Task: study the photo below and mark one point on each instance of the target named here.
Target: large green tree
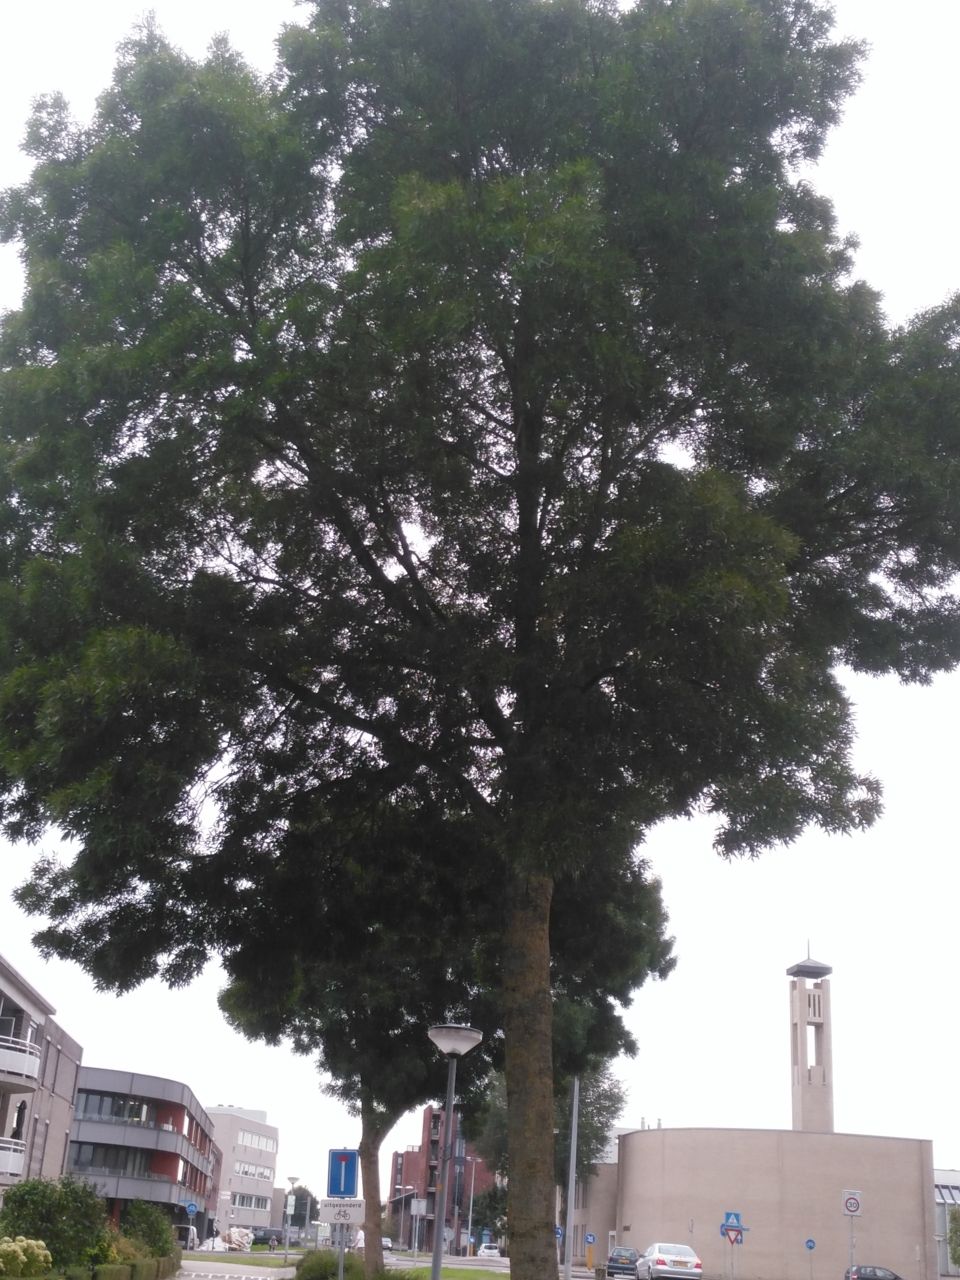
(406, 933)
(601, 1100)
(481, 409)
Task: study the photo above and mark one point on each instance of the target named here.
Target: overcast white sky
(880, 908)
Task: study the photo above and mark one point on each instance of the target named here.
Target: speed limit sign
(851, 1204)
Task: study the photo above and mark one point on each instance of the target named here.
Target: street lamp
(403, 1191)
(286, 1220)
(473, 1178)
(454, 1041)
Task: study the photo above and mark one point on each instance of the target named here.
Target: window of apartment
(260, 1141)
(128, 1161)
(241, 1200)
(114, 1106)
(248, 1170)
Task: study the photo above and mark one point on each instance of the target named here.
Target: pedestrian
(273, 1244)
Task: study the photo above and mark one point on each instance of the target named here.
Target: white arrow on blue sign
(810, 1244)
(590, 1238)
(191, 1209)
(342, 1174)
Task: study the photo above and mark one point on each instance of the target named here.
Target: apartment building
(39, 1063)
(249, 1175)
(416, 1184)
(140, 1137)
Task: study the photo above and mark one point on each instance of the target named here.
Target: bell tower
(811, 1049)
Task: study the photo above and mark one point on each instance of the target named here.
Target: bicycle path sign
(341, 1211)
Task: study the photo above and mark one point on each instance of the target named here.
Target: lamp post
(453, 1041)
(473, 1178)
(286, 1220)
(571, 1181)
(403, 1191)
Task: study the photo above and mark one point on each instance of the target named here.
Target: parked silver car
(668, 1260)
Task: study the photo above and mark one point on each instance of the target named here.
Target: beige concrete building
(249, 1172)
(38, 1076)
(789, 1189)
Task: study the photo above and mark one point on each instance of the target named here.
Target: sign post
(342, 1199)
(418, 1208)
(810, 1245)
(852, 1208)
(732, 1227)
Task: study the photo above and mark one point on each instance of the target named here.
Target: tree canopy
(478, 416)
(389, 947)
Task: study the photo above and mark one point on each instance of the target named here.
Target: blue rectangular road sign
(342, 1174)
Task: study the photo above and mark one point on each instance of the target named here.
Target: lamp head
(454, 1040)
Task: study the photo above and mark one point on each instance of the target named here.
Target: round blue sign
(590, 1238)
(810, 1244)
(191, 1209)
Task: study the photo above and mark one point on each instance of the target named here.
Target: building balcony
(118, 1132)
(116, 1184)
(19, 1065)
(13, 1155)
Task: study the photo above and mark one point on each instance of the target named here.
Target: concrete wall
(677, 1184)
(594, 1213)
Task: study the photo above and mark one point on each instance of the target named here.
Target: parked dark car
(864, 1272)
(623, 1262)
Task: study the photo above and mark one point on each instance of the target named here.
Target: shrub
(23, 1257)
(121, 1248)
(12, 1260)
(144, 1269)
(324, 1264)
(111, 1271)
(148, 1224)
(66, 1214)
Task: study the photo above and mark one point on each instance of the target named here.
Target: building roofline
(8, 972)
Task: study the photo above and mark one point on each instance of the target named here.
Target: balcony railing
(19, 1057)
(94, 1118)
(105, 1171)
(13, 1154)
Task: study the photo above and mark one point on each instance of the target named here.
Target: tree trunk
(528, 1024)
(371, 1138)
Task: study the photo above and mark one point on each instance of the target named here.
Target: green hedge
(112, 1271)
(77, 1272)
(145, 1269)
(324, 1264)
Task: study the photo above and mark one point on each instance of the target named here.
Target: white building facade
(249, 1171)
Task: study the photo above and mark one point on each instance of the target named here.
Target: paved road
(231, 1266)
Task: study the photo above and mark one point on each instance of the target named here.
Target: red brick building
(415, 1185)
